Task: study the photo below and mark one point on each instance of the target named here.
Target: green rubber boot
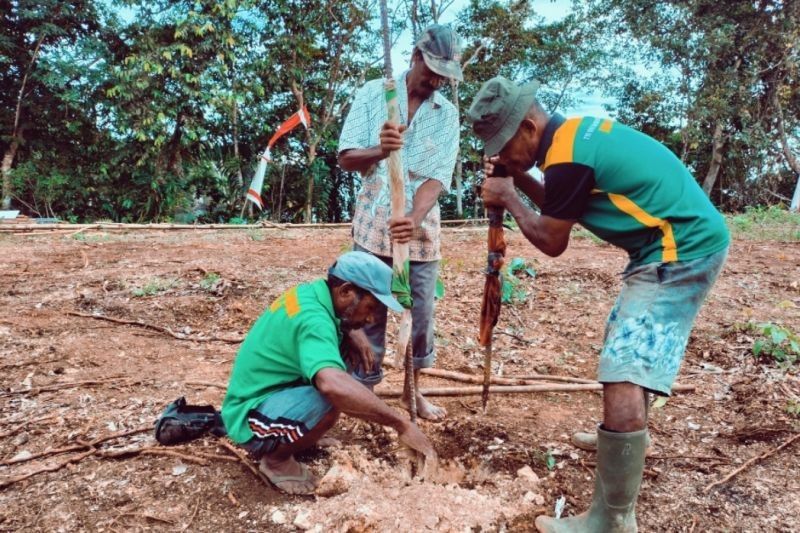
(588, 441)
(620, 462)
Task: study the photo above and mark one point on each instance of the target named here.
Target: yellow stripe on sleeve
(627, 206)
(289, 301)
(561, 151)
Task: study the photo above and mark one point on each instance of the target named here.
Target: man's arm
(351, 397)
(425, 198)
(550, 235)
(362, 159)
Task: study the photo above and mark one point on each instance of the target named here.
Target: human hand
(360, 350)
(493, 168)
(428, 460)
(391, 137)
(497, 192)
(401, 229)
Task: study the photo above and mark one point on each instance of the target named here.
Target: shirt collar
(553, 124)
(435, 99)
(323, 294)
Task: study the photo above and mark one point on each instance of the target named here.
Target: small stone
(337, 480)
(20, 439)
(526, 473)
(532, 497)
(21, 456)
(693, 426)
(303, 520)
(278, 517)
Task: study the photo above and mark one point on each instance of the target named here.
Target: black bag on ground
(183, 423)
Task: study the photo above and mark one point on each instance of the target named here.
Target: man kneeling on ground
(289, 381)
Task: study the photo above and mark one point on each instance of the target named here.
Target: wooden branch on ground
(59, 386)
(245, 461)
(161, 329)
(206, 384)
(751, 462)
(511, 389)
(151, 450)
(25, 424)
(58, 466)
(498, 380)
(78, 447)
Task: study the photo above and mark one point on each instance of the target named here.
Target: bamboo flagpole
(398, 195)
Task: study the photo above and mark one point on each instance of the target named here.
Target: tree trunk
(794, 164)
(312, 155)
(8, 159)
(239, 177)
(716, 160)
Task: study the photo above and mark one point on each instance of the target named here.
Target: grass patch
(154, 286)
(774, 343)
(765, 223)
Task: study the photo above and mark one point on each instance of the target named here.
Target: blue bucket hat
(369, 273)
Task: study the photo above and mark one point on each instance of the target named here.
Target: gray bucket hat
(498, 109)
(441, 49)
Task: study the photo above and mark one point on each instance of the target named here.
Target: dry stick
(77, 447)
(120, 454)
(59, 386)
(25, 424)
(510, 380)
(161, 329)
(74, 459)
(245, 461)
(206, 384)
(566, 379)
(500, 389)
(751, 462)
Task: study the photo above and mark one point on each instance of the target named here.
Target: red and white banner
(254, 192)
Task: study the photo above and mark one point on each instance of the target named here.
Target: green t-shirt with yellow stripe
(296, 337)
(628, 189)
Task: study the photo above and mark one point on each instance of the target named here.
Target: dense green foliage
(136, 111)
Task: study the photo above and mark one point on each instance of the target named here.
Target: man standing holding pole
(631, 191)
(427, 137)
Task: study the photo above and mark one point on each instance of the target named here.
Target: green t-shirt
(628, 189)
(296, 337)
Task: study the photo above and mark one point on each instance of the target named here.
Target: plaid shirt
(429, 152)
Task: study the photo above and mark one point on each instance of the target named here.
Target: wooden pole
(398, 194)
(512, 389)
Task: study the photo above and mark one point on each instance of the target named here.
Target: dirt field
(203, 286)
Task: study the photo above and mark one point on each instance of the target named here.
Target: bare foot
(288, 475)
(426, 409)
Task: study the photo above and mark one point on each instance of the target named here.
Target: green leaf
(778, 335)
(550, 461)
(401, 285)
(758, 347)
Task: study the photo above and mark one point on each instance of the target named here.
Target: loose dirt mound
(178, 302)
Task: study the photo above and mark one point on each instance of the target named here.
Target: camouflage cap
(498, 109)
(441, 49)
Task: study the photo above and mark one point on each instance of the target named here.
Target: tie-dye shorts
(650, 323)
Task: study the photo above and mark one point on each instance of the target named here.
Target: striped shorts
(284, 417)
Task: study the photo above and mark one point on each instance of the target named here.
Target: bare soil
(195, 287)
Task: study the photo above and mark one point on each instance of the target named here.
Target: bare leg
(425, 409)
(624, 407)
(281, 461)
